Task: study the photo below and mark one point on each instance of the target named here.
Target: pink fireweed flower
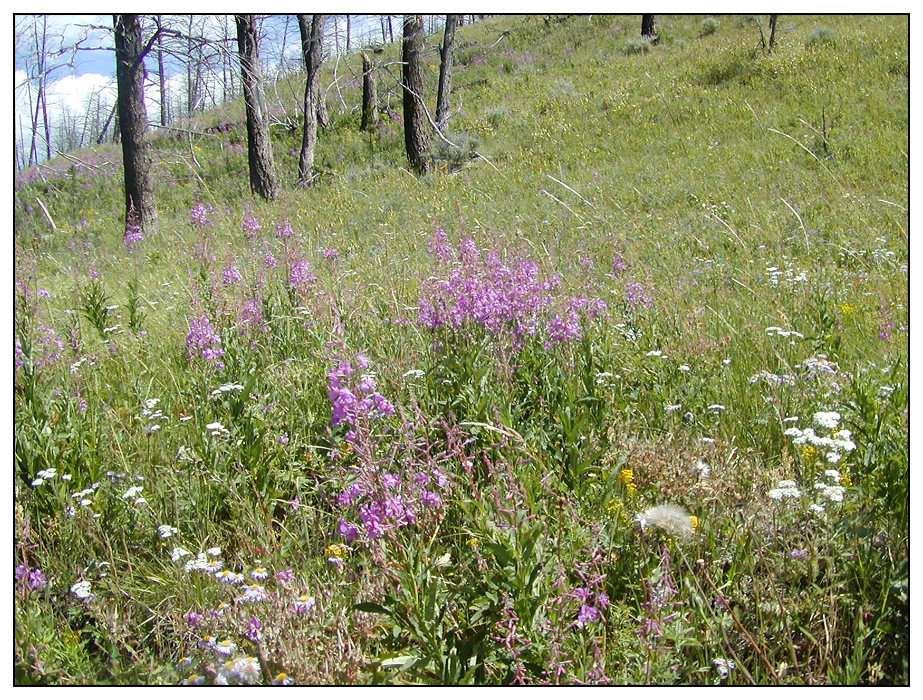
(284, 230)
(202, 341)
(300, 276)
(132, 236)
(251, 225)
(230, 275)
(198, 215)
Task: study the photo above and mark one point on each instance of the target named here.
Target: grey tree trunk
(772, 31)
(416, 134)
(136, 158)
(259, 146)
(369, 96)
(162, 78)
(312, 38)
(445, 72)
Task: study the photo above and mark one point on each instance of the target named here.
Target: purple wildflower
(230, 275)
(251, 225)
(203, 342)
(284, 230)
(132, 236)
(300, 275)
(198, 215)
(635, 295)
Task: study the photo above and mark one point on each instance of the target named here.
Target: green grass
(760, 201)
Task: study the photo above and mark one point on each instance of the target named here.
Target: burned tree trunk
(259, 146)
(136, 159)
(772, 31)
(369, 96)
(445, 72)
(648, 29)
(415, 132)
(311, 39)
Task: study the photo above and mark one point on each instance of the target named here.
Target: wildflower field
(622, 398)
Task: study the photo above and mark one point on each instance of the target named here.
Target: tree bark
(369, 96)
(259, 146)
(312, 38)
(445, 72)
(136, 158)
(648, 29)
(161, 77)
(415, 132)
(772, 30)
(323, 117)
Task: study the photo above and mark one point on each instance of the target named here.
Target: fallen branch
(44, 209)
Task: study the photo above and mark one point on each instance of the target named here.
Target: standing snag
(259, 146)
(445, 72)
(648, 30)
(369, 96)
(136, 159)
(312, 38)
(416, 135)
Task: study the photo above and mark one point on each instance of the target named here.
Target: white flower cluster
(225, 388)
(834, 445)
(204, 561)
(775, 330)
(785, 489)
(217, 429)
(832, 492)
(773, 379)
(151, 414)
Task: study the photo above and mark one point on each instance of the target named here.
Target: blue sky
(91, 69)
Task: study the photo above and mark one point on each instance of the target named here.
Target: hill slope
(618, 393)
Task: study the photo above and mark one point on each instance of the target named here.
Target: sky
(78, 74)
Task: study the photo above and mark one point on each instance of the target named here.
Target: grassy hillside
(617, 394)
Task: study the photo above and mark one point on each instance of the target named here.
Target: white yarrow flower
(81, 589)
(166, 531)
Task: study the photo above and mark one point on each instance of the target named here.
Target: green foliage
(742, 215)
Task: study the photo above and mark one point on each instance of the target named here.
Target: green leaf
(372, 608)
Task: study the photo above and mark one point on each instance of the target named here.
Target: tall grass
(618, 395)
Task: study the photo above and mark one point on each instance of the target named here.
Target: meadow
(618, 393)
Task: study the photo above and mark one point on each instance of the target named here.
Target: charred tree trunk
(415, 132)
(259, 146)
(136, 159)
(369, 96)
(648, 29)
(312, 38)
(772, 30)
(445, 72)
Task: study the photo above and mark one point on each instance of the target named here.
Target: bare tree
(259, 145)
(312, 38)
(136, 159)
(445, 71)
(161, 77)
(369, 96)
(416, 134)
